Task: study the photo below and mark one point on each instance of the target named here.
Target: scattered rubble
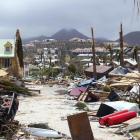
(119, 92)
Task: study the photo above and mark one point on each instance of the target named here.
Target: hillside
(40, 38)
(132, 38)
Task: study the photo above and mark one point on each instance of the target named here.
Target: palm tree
(135, 50)
(97, 60)
(104, 59)
(111, 51)
(42, 52)
(72, 68)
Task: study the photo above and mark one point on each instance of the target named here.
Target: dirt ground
(49, 107)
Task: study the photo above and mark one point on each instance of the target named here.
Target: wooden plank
(34, 90)
(79, 126)
(132, 121)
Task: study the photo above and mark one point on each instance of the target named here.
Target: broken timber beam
(119, 75)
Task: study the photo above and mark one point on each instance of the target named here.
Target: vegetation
(20, 51)
(72, 68)
(136, 134)
(12, 87)
(67, 58)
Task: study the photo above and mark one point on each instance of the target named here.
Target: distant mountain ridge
(63, 34)
(40, 38)
(131, 38)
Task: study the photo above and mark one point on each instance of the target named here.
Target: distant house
(101, 71)
(80, 41)
(88, 50)
(49, 41)
(82, 51)
(7, 47)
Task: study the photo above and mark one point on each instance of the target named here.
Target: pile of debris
(8, 108)
(118, 94)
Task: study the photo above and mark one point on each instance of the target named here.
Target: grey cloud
(44, 17)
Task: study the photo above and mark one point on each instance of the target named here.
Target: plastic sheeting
(85, 83)
(120, 70)
(121, 105)
(43, 132)
(110, 107)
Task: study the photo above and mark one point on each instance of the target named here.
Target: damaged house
(101, 71)
(7, 52)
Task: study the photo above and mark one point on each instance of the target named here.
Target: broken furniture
(88, 96)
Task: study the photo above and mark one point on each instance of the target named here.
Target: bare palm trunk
(44, 64)
(137, 57)
(111, 57)
(50, 64)
(121, 47)
(94, 58)
(15, 56)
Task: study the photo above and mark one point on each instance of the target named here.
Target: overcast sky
(46, 17)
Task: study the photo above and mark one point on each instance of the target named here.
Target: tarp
(77, 91)
(120, 70)
(85, 83)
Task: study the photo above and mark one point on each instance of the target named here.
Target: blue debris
(85, 83)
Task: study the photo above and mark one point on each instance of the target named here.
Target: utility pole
(94, 59)
(121, 46)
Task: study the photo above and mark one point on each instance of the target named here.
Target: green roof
(2, 51)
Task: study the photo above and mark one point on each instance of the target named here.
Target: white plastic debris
(42, 132)
(121, 105)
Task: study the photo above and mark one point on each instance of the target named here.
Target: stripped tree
(121, 46)
(18, 53)
(94, 56)
(50, 58)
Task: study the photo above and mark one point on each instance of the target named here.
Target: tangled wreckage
(8, 106)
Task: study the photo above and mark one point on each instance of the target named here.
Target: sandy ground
(49, 107)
